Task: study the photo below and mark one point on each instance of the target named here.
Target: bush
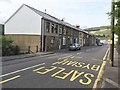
(8, 47)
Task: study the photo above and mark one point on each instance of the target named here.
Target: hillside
(97, 28)
(103, 33)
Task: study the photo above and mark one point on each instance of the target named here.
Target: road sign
(110, 41)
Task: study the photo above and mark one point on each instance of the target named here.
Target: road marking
(63, 73)
(4, 81)
(65, 57)
(78, 53)
(73, 57)
(97, 59)
(77, 64)
(101, 70)
(76, 57)
(49, 56)
(22, 70)
(38, 69)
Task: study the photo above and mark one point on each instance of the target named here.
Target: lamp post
(112, 34)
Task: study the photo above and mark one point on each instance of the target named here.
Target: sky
(86, 13)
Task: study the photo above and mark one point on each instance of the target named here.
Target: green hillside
(103, 33)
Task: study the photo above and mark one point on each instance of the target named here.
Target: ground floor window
(52, 40)
(64, 41)
(76, 40)
(84, 41)
(71, 40)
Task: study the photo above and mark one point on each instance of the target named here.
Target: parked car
(74, 46)
(100, 44)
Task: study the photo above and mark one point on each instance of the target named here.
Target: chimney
(77, 26)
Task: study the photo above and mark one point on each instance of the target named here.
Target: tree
(117, 16)
(117, 26)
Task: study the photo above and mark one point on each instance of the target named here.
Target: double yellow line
(97, 81)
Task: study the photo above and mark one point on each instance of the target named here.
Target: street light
(112, 32)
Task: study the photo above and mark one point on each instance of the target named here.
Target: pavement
(111, 74)
(9, 58)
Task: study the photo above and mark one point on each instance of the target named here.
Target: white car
(74, 46)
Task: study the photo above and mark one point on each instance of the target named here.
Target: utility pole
(112, 33)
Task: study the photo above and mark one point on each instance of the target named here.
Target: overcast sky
(86, 13)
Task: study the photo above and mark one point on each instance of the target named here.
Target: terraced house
(37, 31)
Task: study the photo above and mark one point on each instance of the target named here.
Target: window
(52, 29)
(47, 26)
(69, 31)
(60, 30)
(64, 41)
(64, 31)
(56, 28)
(71, 40)
(74, 41)
(52, 40)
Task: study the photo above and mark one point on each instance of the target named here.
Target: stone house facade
(37, 31)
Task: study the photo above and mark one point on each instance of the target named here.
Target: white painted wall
(25, 21)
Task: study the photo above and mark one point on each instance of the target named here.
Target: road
(66, 69)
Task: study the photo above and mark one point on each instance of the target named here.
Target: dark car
(75, 46)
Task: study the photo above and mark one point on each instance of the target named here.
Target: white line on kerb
(21, 70)
(112, 82)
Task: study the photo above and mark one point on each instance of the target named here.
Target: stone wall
(27, 43)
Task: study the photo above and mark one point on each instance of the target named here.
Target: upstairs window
(64, 31)
(52, 28)
(60, 30)
(68, 31)
(47, 26)
(56, 29)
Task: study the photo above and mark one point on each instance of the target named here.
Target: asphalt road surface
(66, 69)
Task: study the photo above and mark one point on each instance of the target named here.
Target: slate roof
(48, 17)
(52, 18)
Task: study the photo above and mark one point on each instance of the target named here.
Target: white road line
(97, 59)
(78, 53)
(22, 70)
(65, 57)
